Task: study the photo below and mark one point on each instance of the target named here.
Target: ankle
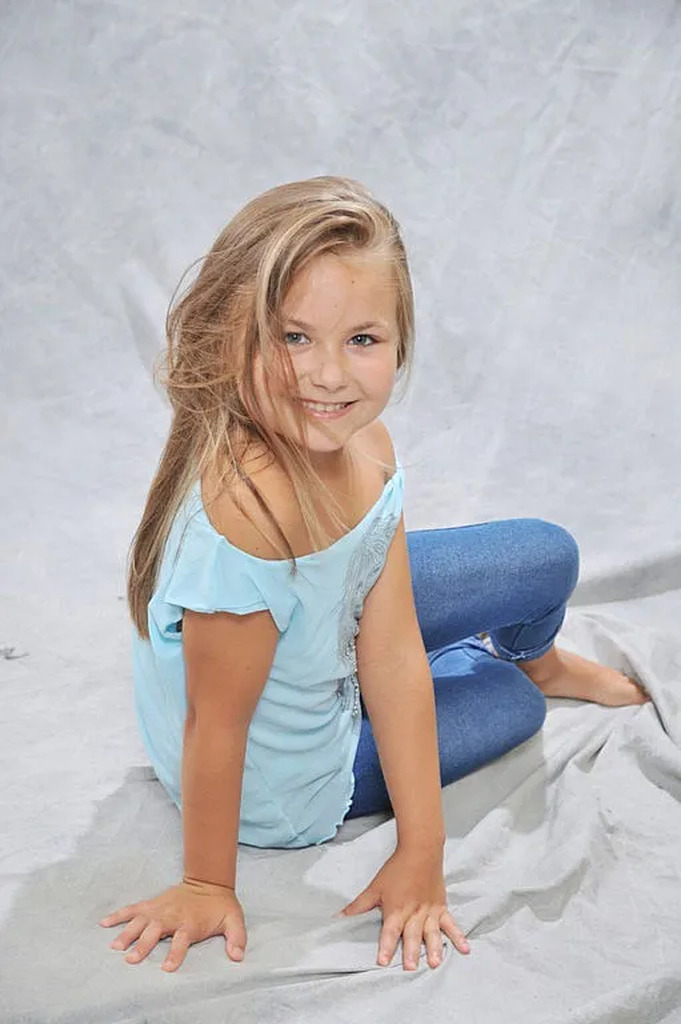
(543, 668)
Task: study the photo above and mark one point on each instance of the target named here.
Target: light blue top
(297, 781)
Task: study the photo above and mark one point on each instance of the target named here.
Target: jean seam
(525, 655)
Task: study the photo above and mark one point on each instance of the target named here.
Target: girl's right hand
(190, 912)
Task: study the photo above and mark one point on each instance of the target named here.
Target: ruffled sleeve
(202, 571)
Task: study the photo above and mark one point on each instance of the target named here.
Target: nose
(328, 371)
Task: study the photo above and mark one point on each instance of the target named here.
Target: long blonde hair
(228, 315)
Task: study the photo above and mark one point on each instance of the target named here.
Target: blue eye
(293, 338)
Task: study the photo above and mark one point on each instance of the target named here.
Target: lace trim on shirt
(364, 568)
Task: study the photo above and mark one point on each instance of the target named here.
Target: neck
(331, 465)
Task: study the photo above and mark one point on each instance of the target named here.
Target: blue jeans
(510, 578)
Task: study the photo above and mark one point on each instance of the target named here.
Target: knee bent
(557, 549)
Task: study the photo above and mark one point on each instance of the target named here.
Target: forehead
(331, 287)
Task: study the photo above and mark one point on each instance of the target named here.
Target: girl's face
(340, 327)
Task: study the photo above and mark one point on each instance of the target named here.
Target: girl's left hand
(410, 891)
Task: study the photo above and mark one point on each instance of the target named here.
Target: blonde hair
(229, 314)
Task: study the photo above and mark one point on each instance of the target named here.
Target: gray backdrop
(530, 152)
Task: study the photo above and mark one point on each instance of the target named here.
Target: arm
(228, 658)
(397, 689)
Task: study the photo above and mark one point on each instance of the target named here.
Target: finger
(433, 939)
(131, 933)
(388, 939)
(120, 916)
(178, 950)
(147, 941)
(451, 929)
(235, 936)
(367, 900)
(412, 937)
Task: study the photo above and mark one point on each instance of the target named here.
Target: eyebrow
(370, 324)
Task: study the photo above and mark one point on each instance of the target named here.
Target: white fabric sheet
(531, 153)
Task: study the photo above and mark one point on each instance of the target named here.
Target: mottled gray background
(530, 151)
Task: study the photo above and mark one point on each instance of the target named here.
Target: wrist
(203, 885)
(422, 846)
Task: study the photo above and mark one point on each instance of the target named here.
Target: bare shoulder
(236, 513)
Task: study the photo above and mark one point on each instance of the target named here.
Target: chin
(319, 443)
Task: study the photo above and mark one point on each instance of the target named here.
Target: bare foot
(560, 673)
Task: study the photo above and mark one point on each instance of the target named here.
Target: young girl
(298, 658)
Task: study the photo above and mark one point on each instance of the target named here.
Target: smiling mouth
(325, 406)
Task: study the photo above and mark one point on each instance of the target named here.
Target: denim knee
(558, 551)
(533, 712)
